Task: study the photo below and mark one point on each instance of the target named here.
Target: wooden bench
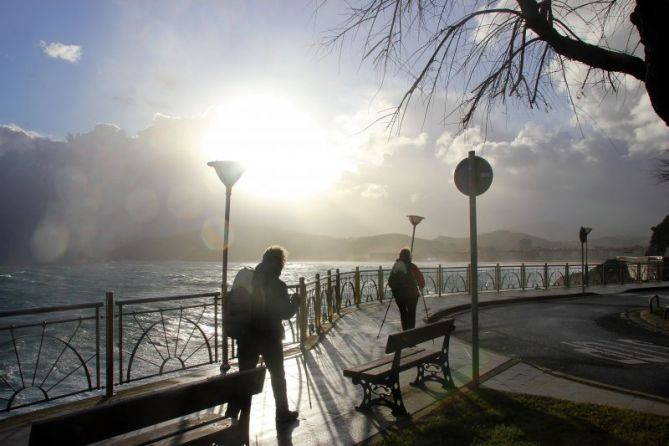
(117, 417)
(380, 379)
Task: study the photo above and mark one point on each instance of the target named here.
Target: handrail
(28, 311)
(165, 298)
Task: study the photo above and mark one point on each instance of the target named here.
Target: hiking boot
(286, 417)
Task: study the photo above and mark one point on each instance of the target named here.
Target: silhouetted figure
(406, 281)
(266, 332)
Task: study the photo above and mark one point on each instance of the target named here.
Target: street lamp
(414, 219)
(583, 236)
(229, 172)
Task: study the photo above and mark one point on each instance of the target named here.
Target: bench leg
(398, 409)
(433, 369)
(380, 394)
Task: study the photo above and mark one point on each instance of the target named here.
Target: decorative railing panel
(48, 353)
(166, 334)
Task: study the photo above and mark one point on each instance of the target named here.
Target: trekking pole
(427, 315)
(384, 317)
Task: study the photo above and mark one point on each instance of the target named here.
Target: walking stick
(427, 315)
(390, 301)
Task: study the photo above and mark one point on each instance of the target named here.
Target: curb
(599, 385)
(512, 300)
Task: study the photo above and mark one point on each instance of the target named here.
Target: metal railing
(53, 352)
(166, 334)
(48, 353)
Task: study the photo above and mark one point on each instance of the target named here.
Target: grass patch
(489, 417)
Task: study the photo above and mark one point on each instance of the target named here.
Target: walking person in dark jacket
(265, 337)
(406, 282)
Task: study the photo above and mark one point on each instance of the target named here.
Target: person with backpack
(262, 331)
(406, 282)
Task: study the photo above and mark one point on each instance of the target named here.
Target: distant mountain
(249, 243)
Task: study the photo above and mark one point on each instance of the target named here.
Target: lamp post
(414, 219)
(229, 172)
(583, 236)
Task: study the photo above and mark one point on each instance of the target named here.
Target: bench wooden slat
(406, 363)
(165, 432)
(111, 419)
(386, 360)
(409, 338)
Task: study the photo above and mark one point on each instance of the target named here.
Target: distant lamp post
(414, 219)
(583, 237)
(229, 172)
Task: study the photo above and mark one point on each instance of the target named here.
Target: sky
(109, 111)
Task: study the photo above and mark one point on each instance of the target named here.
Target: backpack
(399, 280)
(242, 305)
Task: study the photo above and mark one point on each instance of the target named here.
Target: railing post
(317, 304)
(638, 272)
(329, 296)
(109, 344)
(522, 276)
(216, 327)
(120, 344)
(338, 292)
(469, 278)
(97, 347)
(380, 288)
(660, 270)
(440, 279)
(356, 294)
(303, 312)
(498, 278)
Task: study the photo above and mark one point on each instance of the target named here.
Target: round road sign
(483, 175)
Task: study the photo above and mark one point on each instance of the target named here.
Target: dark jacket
(278, 305)
(410, 282)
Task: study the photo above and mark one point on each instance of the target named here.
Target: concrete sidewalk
(326, 400)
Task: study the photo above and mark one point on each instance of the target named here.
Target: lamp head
(228, 171)
(583, 234)
(415, 219)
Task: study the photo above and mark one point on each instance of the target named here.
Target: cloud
(373, 191)
(82, 197)
(57, 50)
(65, 200)
(547, 181)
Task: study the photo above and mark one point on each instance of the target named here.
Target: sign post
(473, 176)
(583, 237)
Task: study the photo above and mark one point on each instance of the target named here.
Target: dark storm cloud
(78, 198)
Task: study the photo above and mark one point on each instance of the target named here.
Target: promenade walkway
(326, 400)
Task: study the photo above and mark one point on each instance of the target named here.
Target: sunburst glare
(281, 145)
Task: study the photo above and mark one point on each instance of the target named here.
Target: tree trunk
(651, 18)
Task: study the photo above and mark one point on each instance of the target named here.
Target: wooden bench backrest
(126, 415)
(409, 338)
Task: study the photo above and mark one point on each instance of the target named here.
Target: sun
(279, 142)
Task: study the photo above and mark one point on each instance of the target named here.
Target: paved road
(589, 337)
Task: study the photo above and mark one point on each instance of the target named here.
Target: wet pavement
(326, 400)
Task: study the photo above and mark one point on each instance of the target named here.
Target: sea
(55, 285)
